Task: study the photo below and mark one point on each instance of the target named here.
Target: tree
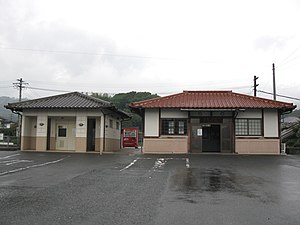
(122, 100)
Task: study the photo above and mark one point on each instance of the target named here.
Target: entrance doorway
(65, 136)
(91, 134)
(206, 138)
(211, 138)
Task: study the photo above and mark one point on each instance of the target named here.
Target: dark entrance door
(196, 138)
(91, 126)
(211, 138)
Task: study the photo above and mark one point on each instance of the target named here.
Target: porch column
(41, 132)
(102, 133)
(81, 133)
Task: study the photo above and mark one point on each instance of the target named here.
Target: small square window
(62, 132)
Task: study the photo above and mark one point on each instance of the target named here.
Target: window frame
(165, 129)
(248, 128)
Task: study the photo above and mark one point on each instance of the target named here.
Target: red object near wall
(130, 137)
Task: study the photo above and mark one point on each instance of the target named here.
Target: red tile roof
(211, 100)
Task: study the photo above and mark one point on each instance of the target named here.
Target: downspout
(104, 128)
(20, 126)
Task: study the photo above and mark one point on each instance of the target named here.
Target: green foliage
(293, 143)
(103, 96)
(9, 131)
(122, 100)
(298, 132)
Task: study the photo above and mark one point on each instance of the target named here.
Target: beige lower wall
(257, 146)
(164, 145)
(80, 144)
(41, 143)
(112, 145)
(98, 142)
(28, 143)
(52, 143)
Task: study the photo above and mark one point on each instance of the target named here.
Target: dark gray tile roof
(73, 100)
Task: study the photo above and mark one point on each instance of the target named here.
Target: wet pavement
(130, 188)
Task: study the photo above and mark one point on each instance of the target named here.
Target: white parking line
(32, 166)
(159, 163)
(8, 156)
(129, 165)
(14, 161)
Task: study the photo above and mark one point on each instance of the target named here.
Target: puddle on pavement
(200, 182)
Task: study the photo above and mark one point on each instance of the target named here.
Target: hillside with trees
(5, 113)
(122, 100)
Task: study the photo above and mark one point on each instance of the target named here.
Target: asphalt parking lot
(55, 188)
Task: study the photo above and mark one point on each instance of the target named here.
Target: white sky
(159, 46)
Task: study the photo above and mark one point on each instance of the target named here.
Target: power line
(283, 96)
(283, 62)
(83, 53)
(46, 89)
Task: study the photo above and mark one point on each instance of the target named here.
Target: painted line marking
(159, 163)
(166, 158)
(14, 161)
(187, 163)
(9, 156)
(129, 165)
(33, 166)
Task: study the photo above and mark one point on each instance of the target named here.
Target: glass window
(173, 127)
(117, 125)
(62, 131)
(241, 127)
(110, 123)
(254, 127)
(248, 127)
(181, 127)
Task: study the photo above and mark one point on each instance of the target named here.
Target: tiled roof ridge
(44, 98)
(93, 98)
(208, 91)
(63, 95)
(275, 102)
(217, 99)
(157, 99)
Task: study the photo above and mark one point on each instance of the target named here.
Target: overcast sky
(159, 46)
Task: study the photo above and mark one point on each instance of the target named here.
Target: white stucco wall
(271, 123)
(81, 117)
(173, 113)
(81, 131)
(250, 114)
(113, 132)
(41, 127)
(151, 123)
(29, 126)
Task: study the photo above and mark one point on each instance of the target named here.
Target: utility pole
(274, 84)
(20, 85)
(255, 85)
